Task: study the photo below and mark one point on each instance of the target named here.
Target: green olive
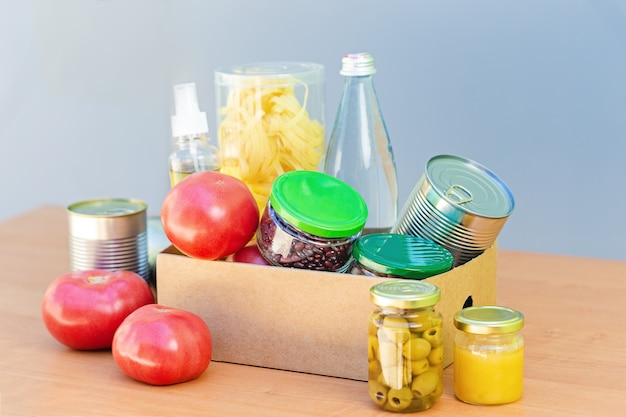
(434, 336)
(435, 357)
(437, 321)
(438, 389)
(374, 369)
(372, 347)
(425, 383)
(374, 324)
(419, 366)
(416, 348)
(420, 322)
(378, 392)
(396, 329)
(399, 399)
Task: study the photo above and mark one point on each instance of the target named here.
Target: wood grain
(575, 347)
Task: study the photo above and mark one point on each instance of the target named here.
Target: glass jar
(311, 221)
(270, 120)
(488, 355)
(399, 256)
(405, 346)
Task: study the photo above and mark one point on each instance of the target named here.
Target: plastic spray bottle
(192, 151)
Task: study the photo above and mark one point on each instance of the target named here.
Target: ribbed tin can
(109, 234)
(459, 204)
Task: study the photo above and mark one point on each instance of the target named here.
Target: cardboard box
(299, 320)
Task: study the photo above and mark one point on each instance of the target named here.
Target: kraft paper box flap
(299, 320)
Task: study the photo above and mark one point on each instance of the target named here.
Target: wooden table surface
(575, 347)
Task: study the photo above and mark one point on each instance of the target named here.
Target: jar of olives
(405, 346)
(488, 355)
(399, 256)
(311, 221)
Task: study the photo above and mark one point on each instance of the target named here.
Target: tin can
(488, 355)
(109, 234)
(405, 346)
(399, 256)
(459, 204)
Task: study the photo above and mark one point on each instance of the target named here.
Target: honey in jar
(488, 355)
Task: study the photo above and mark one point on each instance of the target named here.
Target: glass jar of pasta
(270, 120)
(488, 355)
(311, 222)
(405, 346)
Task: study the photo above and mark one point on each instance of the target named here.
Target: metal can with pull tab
(459, 204)
(110, 234)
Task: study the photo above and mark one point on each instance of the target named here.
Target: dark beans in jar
(304, 251)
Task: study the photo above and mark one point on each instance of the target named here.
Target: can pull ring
(459, 194)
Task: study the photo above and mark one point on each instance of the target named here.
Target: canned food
(405, 346)
(459, 204)
(311, 221)
(399, 256)
(109, 234)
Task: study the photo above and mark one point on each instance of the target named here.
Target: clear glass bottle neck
(358, 79)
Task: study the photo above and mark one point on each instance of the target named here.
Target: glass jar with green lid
(399, 256)
(405, 346)
(488, 355)
(311, 221)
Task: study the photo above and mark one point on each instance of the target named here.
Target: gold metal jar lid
(405, 294)
(488, 320)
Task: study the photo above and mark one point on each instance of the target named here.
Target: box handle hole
(468, 302)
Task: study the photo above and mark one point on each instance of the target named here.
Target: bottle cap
(187, 119)
(357, 64)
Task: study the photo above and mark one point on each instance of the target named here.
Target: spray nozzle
(187, 119)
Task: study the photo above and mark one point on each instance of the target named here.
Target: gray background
(533, 89)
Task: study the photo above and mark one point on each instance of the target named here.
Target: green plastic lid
(318, 204)
(405, 294)
(402, 255)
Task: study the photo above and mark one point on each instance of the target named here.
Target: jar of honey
(405, 346)
(488, 355)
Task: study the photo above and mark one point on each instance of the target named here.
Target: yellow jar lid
(488, 320)
(405, 294)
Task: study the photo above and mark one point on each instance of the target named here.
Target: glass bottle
(405, 346)
(359, 150)
(192, 151)
(488, 355)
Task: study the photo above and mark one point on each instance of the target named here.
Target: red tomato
(82, 309)
(251, 255)
(162, 345)
(209, 215)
